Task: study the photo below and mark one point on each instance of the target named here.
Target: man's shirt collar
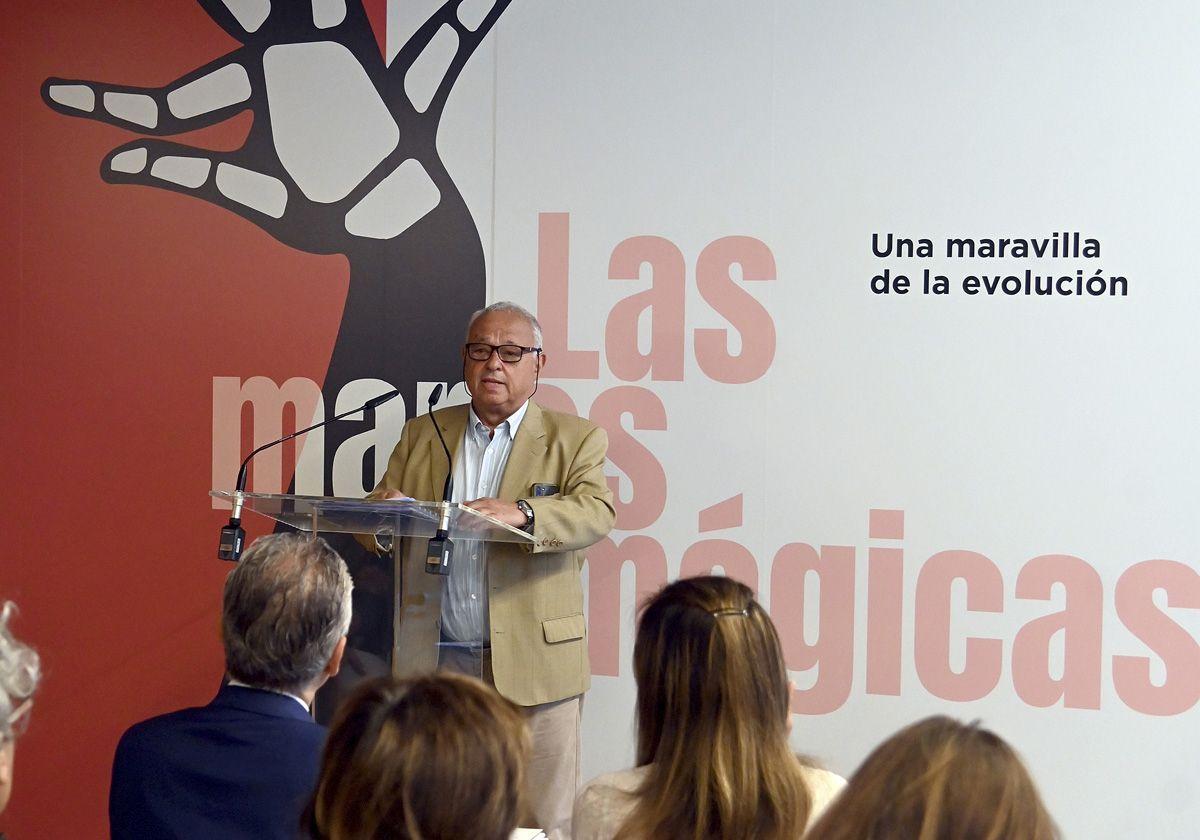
(299, 700)
(478, 427)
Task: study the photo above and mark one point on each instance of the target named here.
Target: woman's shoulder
(605, 803)
(823, 787)
(621, 781)
(819, 777)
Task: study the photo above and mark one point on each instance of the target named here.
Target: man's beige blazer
(539, 646)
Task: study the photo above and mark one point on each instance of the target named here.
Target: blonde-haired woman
(440, 757)
(712, 728)
(935, 779)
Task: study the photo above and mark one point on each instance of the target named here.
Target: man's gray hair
(20, 671)
(509, 306)
(286, 606)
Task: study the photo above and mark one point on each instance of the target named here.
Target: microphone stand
(233, 536)
(440, 553)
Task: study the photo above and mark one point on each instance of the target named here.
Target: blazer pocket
(563, 629)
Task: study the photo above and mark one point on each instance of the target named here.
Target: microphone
(233, 536)
(440, 552)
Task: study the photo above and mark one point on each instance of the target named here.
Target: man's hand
(506, 512)
(388, 495)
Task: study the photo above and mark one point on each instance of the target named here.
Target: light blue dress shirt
(477, 474)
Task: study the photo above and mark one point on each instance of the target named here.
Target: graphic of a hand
(341, 158)
(342, 151)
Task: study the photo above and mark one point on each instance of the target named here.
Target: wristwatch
(526, 509)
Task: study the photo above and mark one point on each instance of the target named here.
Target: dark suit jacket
(242, 766)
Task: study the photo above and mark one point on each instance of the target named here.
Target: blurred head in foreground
(437, 757)
(935, 780)
(712, 718)
(19, 674)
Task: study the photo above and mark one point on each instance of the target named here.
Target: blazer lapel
(453, 422)
(528, 449)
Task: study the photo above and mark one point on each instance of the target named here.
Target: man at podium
(511, 613)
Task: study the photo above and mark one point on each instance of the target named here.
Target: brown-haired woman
(439, 757)
(939, 779)
(712, 728)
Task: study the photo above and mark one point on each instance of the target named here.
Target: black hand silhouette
(341, 158)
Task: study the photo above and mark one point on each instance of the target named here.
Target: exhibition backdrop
(887, 308)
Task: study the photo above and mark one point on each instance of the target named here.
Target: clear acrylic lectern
(407, 524)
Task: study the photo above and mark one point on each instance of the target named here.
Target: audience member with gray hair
(20, 671)
(244, 765)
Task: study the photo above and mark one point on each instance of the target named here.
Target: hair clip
(18, 718)
(742, 611)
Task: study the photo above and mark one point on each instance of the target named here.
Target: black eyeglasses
(479, 351)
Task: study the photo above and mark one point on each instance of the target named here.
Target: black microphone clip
(233, 537)
(439, 554)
